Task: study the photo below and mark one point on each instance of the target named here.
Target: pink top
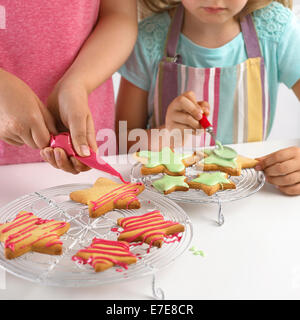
(39, 40)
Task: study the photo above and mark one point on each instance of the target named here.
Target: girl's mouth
(214, 10)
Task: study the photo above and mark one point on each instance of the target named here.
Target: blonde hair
(155, 6)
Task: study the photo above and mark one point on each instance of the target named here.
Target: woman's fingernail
(47, 155)
(56, 154)
(85, 150)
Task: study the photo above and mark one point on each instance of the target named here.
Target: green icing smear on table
(196, 252)
(168, 182)
(212, 178)
(171, 160)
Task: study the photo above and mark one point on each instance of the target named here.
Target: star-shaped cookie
(166, 161)
(232, 166)
(30, 233)
(150, 228)
(168, 184)
(103, 254)
(211, 182)
(107, 195)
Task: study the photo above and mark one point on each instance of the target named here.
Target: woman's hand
(23, 117)
(69, 105)
(282, 169)
(185, 112)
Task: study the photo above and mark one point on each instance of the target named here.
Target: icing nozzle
(207, 126)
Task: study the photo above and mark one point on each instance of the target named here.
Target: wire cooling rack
(248, 183)
(54, 203)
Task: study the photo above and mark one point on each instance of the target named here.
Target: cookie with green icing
(211, 182)
(233, 167)
(168, 184)
(165, 161)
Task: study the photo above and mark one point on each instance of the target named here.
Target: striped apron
(238, 95)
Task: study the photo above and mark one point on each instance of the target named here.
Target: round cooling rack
(54, 203)
(249, 182)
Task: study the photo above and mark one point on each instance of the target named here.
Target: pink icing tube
(63, 140)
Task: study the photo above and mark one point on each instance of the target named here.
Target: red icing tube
(63, 141)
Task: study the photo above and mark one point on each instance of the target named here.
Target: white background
(286, 123)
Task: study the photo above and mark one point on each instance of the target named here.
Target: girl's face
(214, 11)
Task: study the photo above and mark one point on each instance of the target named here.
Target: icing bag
(63, 141)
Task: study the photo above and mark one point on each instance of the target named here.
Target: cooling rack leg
(221, 219)
(158, 293)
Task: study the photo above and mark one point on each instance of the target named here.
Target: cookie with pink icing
(149, 228)
(103, 254)
(107, 195)
(27, 233)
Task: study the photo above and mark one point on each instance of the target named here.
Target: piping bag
(63, 141)
(221, 151)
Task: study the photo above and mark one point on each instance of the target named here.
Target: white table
(254, 255)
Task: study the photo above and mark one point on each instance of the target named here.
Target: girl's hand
(185, 112)
(23, 117)
(282, 169)
(69, 104)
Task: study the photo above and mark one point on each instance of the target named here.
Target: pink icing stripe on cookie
(18, 223)
(161, 224)
(60, 225)
(112, 243)
(130, 223)
(104, 250)
(38, 239)
(130, 191)
(11, 244)
(25, 219)
(140, 217)
(130, 239)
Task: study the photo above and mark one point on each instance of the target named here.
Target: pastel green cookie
(169, 184)
(211, 182)
(166, 161)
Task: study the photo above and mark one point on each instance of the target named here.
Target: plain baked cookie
(166, 161)
(103, 254)
(211, 182)
(150, 228)
(107, 195)
(30, 233)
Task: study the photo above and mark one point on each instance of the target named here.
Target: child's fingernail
(85, 150)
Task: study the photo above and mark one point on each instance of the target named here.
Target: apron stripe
(236, 113)
(262, 76)
(159, 95)
(206, 87)
(245, 105)
(226, 114)
(242, 103)
(255, 121)
(216, 102)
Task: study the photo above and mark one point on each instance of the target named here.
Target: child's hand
(282, 168)
(69, 105)
(23, 117)
(185, 112)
